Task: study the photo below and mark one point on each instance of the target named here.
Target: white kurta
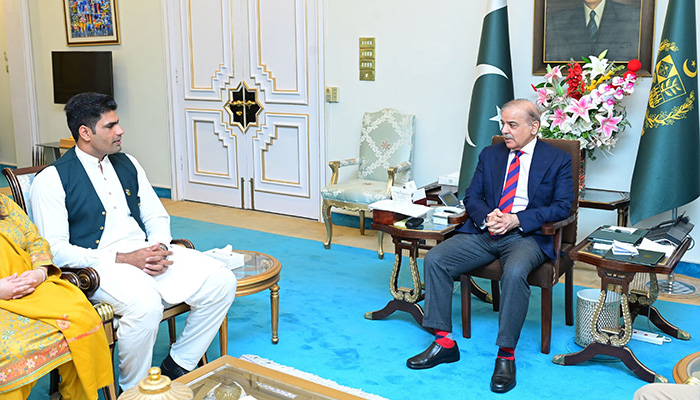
(193, 278)
(121, 234)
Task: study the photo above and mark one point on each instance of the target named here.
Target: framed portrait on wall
(91, 22)
(572, 29)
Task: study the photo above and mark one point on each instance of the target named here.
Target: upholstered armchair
(386, 153)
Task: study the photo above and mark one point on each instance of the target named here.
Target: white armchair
(386, 153)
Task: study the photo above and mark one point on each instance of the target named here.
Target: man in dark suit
(517, 186)
(591, 27)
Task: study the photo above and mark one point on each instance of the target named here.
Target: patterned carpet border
(309, 377)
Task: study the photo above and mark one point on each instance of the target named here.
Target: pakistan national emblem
(667, 86)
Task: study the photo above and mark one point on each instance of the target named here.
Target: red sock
(506, 352)
(444, 339)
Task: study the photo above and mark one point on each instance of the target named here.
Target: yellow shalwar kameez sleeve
(55, 325)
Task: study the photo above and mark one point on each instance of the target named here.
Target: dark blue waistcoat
(86, 214)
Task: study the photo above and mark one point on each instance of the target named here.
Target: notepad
(607, 234)
(645, 257)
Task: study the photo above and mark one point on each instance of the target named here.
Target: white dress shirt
(521, 198)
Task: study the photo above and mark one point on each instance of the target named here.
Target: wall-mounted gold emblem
(243, 107)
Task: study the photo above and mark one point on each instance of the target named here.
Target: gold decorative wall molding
(196, 120)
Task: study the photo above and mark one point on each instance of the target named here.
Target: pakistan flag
(666, 171)
(493, 86)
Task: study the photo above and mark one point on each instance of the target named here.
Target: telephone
(673, 230)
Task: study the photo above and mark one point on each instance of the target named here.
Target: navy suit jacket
(550, 190)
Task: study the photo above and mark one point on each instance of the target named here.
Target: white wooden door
(246, 103)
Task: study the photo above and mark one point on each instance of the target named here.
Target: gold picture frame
(91, 22)
(558, 36)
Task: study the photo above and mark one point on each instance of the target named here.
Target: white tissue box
(449, 179)
(231, 259)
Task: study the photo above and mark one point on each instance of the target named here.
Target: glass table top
(693, 368)
(255, 264)
(603, 196)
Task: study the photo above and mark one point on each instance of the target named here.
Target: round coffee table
(260, 272)
(687, 367)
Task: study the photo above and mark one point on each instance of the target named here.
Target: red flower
(575, 81)
(634, 65)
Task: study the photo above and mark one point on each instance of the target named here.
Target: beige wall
(7, 134)
(425, 58)
(139, 80)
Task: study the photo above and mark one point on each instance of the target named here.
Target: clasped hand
(152, 260)
(17, 286)
(500, 223)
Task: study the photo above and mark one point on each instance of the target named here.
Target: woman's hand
(7, 286)
(16, 287)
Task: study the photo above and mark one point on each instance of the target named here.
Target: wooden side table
(603, 199)
(616, 273)
(411, 241)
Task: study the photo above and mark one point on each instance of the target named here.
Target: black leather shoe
(432, 356)
(171, 369)
(503, 378)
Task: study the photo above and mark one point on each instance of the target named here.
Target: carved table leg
(612, 344)
(404, 299)
(275, 307)
(623, 353)
(661, 323)
(641, 305)
(480, 293)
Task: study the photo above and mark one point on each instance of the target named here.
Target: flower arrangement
(585, 106)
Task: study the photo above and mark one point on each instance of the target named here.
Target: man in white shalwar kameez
(96, 208)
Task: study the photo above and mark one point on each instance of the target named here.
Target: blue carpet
(324, 295)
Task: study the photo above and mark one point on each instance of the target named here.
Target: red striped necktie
(506, 203)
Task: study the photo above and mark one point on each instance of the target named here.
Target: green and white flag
(666, 173)
(493, 86)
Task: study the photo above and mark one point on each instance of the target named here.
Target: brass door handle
(252, 194)
(242, 192)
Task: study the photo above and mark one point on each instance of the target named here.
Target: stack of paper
(620, 248)
(412, 210)
(653, 246)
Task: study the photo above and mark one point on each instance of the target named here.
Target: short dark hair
(86, 109)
